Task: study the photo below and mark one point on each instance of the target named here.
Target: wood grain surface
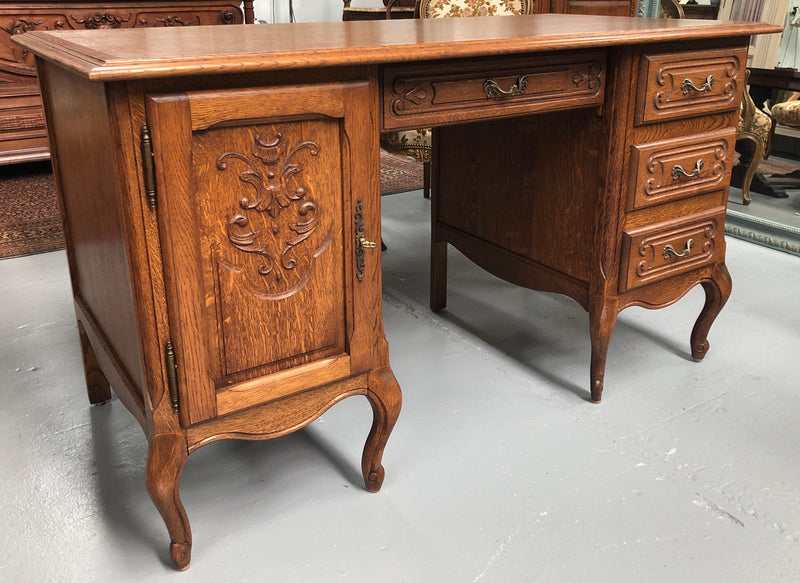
(141, 53)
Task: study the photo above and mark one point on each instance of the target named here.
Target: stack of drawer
(683, 136)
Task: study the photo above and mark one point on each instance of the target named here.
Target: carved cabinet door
(259, 207)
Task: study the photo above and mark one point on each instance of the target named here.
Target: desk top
(159, 52)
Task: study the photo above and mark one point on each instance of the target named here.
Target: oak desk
(220, 191)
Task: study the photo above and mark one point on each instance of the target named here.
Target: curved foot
(597, 390)
(718, 290)
(374, 480)
(752, 167)
(386, 399)
(602, 319)
(165, 460)
(97, 386)
(181, 555)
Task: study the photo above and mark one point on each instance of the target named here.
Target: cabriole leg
(165, 460)
(97, 385)
(386, 398)
(718, 290)
(602, 319)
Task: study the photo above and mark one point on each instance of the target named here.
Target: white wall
(305, 10)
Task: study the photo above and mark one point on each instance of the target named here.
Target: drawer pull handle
(687, 85)
(670, 250)
(678, 171)
(491, 88)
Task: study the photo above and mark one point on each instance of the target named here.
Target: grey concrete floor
(499, 469)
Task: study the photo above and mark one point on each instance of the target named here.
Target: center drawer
(420, 95)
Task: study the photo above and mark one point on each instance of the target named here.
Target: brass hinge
(147, 167)
(172, 373)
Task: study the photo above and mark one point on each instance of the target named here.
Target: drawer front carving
(681, 85)
(676, 168)
(437, 95)
(656, 252)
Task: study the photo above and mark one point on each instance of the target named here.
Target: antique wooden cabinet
(22, 131)
(222, 250)
(221, 206)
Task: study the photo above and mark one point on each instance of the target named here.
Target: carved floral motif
(22, 25)
(589, 79)
(271, 172)
(177, 21)
(100, 20)
(416, 94)
(171, 20)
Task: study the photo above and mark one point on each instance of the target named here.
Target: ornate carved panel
(219, 15)
(275, 217)
(172, 20)
(666, 249)
(15, 59)
(673, 86)
(677, 168)
(100, 20)
(267, 199)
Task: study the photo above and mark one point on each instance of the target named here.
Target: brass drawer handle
(678, 171)
(491, 88)
(687, 85)
(670, 250)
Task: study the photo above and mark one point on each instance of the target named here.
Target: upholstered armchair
(417, 143)
(458, 8)
(670, 9)
(787, 113)
(755, 127)
(414, 143)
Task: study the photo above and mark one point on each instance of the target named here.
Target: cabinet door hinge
(147, 167)
(172, 373)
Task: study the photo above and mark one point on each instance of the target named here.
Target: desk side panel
(86, 177)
